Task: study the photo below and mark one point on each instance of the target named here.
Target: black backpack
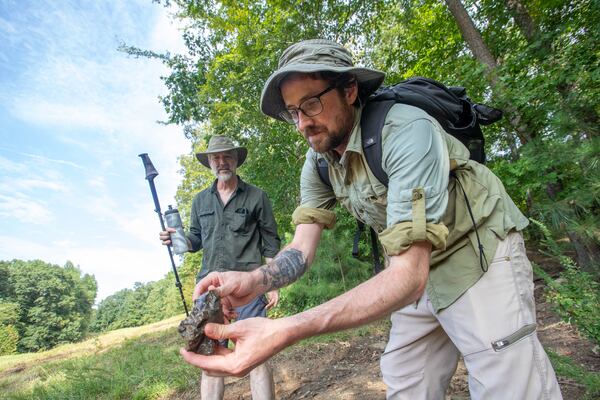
(452, 109)
(450, 106)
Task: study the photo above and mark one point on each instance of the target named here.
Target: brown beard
(333, 139)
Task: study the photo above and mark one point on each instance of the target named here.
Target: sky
(74, 115)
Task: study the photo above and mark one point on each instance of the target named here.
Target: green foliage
(547, 80)
(566, 367)
(9, 313)
(145, 303)
(575, 295)
(47, 304)
(9, 337)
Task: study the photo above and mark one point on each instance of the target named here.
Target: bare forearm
(390, 290)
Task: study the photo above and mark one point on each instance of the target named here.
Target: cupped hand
(256, 340)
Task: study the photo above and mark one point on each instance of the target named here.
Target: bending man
(445, 300)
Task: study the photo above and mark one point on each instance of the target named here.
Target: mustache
(311, 130)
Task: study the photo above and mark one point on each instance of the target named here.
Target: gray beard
(224, 176)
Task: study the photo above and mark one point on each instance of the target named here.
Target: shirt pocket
(207, 223)
(239, 221)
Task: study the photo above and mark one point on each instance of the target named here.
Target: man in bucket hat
(233, 222)
(445, 299)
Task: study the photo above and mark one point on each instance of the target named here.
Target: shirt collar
(241, 185)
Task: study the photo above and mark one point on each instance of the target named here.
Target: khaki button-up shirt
(422, 201)
(235, 236)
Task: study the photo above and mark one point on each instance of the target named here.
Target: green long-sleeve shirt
(234, 236)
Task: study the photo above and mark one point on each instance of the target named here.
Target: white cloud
(7, 26)
(13, 166)
(167, 32)
(22, 209)
(29, 184)
(7, 165)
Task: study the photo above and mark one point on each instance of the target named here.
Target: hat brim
(242, 152)
(271, 101)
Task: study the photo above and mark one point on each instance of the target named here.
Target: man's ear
(351, 92)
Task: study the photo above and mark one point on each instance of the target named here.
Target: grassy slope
(131, 363)
(144, 363)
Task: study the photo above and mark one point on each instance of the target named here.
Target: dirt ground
(349, 369)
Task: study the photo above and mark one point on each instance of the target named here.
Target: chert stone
(207, 308)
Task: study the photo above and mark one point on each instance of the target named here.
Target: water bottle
(178, 240)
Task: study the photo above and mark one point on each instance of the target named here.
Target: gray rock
(207, 308)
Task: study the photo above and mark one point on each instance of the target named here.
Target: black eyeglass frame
(288, 114)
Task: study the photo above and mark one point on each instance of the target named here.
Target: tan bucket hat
(219, 144)
(312, 56)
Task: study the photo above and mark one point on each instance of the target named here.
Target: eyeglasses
(309, 107)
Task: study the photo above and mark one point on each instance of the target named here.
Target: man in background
(233, 222)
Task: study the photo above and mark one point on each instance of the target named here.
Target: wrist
(258, 281)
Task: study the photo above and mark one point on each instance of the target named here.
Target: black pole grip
(151, 172)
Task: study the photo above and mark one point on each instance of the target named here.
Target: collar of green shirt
(241, 186)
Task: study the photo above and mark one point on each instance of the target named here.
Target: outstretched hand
(256, 340)
(234, 288)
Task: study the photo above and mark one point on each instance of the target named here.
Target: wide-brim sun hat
(309, 56)
(219, 144)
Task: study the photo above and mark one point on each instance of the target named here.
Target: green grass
(137, 363)
(566, 368)
(123, 364)
(130, 363)
(149, 367)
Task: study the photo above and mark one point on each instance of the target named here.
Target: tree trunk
(524, 21)
(471, 35)
(483, 54)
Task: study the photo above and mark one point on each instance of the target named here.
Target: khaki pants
(492, 325)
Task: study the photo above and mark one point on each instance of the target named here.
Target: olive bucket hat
(314, 55)
(219, 144)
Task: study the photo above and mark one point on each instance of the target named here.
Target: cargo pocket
(505, 342)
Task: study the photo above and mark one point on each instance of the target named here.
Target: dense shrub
(575, 295)
(9, 337)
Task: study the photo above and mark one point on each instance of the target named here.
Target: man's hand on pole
(165, 236)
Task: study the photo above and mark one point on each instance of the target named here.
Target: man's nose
(303, 121)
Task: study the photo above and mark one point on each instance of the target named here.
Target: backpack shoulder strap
(371, 125)
(323, 170)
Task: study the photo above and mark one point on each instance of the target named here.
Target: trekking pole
(150, 175)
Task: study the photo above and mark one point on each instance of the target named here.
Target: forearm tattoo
(284, 269)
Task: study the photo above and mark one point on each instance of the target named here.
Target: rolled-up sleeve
(316, 198)
(268, 228)
(416, 161)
